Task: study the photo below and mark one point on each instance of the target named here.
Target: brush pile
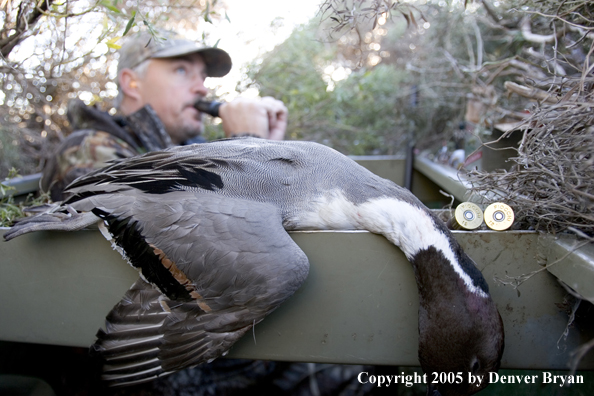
(551, 185)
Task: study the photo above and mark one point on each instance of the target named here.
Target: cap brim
(218, 62)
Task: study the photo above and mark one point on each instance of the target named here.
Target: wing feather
(232, 256)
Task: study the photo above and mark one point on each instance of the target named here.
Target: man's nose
(198, 86)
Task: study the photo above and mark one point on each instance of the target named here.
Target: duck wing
(212, 268)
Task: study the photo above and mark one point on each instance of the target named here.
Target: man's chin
(185, 132)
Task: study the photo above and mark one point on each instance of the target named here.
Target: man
(159, 80)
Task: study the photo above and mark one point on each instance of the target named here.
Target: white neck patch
(408, 227)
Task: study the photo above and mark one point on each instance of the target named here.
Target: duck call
(208, 107)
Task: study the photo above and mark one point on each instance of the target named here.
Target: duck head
(460, 330)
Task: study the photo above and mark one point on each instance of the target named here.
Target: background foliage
(368, 90)
(355, 115)
(53, 51)
(365, 77)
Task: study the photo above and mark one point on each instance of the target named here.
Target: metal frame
(358, 305)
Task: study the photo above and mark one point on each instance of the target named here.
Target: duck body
(206, 225)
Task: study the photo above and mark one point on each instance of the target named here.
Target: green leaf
(112, 43)
(130, 23)
(216, 44)
(109, 5)
(207, 13)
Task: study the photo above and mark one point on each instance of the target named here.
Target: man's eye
(181, 70)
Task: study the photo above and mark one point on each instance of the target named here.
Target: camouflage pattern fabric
(81, 153)
(97, 139)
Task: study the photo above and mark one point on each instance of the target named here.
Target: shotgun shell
(468, 216)
(499, 216)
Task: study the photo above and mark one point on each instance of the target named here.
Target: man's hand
(264, 117)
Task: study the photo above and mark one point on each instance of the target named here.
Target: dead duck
(206, 225)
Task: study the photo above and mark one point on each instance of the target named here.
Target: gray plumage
(206, 226)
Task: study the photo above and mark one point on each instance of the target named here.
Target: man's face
(171, 86)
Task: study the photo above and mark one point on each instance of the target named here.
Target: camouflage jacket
(97, 139)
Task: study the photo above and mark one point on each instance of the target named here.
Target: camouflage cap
(143, 46)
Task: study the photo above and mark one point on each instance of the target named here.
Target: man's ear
(129, 83)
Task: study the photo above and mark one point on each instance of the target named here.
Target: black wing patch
(148, 259)
(155, 173)
(186, 177)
